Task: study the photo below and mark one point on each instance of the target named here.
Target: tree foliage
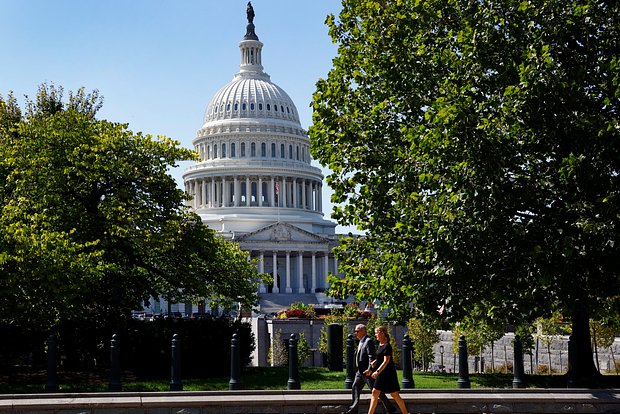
(91, 222)
(477, 144)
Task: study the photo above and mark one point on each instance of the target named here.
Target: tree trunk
(581, 369)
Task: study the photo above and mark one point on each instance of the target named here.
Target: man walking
(363, 357)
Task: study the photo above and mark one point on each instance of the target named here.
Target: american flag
(277, 189)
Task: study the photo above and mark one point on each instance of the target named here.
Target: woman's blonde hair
(384, 329)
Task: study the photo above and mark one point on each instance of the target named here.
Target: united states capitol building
(254, 184)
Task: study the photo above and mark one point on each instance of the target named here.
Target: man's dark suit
(364, 354)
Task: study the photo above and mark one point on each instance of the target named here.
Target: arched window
(287, 110)
(275, 108)
(223, 150)
(282, 152)
(260, 106)
(252, 106)
(233, 150)
(236, 106)
(290, 152)
(243, 149)
(214, 150)
(268, 107)
(297, 150)
(282, 108)
(243, 106)
(273, 150)
(263, 150)
(253, 150)
(228, 106)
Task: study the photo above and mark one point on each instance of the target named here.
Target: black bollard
(348, 382)
(293, 370)
(518, 370)
(463, 381)
(407, 381)
(115, 366)
(235, 364)
(52, 379)
(175, 365)
(334, 347)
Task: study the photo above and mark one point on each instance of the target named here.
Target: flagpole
(278, 194)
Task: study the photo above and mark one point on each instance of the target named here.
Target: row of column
(293, 267)
(246, 191)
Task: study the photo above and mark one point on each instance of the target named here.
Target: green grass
(264, 378)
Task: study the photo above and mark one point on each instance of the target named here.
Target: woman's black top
(387, 380)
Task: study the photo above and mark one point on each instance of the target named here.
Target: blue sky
(158, 63)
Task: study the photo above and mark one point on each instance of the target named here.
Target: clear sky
(157, 63)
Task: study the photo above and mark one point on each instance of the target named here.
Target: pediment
(281, 232)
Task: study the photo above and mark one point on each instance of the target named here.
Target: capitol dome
(255, 164)
(250, 96)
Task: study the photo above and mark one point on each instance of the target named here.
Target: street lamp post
(441, 355)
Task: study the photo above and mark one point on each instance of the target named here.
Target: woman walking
(384, 373)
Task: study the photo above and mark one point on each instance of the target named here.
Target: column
(204, 193)
(260, 191)
(275, 272)
(320, 192)
(288, 288)
(313, 287)
(303, 194)
(300, 274)
(225, 192)
(212, 198)
(325, 268)
(283, 191)
(294, 192)
(336, 273)
(236, 190)
(261, 269)
(248, 191)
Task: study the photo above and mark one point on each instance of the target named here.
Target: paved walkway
(314, 402)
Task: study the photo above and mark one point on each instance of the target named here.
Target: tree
(476, 144)
(92, 224)
(423, 338)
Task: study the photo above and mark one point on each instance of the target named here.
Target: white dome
(251, 95)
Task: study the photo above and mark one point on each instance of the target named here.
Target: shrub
(300, 310)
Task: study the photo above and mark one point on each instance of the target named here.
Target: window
(236, 106)
(297, 150)
(275, 108)
(282, 152)
(228, 106)
(223, 150)
(244, 106)
(287, 110)
(215, 151)
(282, 108)
(260, 106)
(253, 150)
(252, 106)
(263, 150)
(273, 150)
(290, 152)
(243, 149)
(268, 107)
(233, 150)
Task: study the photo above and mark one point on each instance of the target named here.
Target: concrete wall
(496, 356)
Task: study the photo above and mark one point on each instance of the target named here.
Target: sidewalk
(314, 402)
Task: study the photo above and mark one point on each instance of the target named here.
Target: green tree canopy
(477, 144)
(91, 222)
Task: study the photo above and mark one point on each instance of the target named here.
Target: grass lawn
(265, 378)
